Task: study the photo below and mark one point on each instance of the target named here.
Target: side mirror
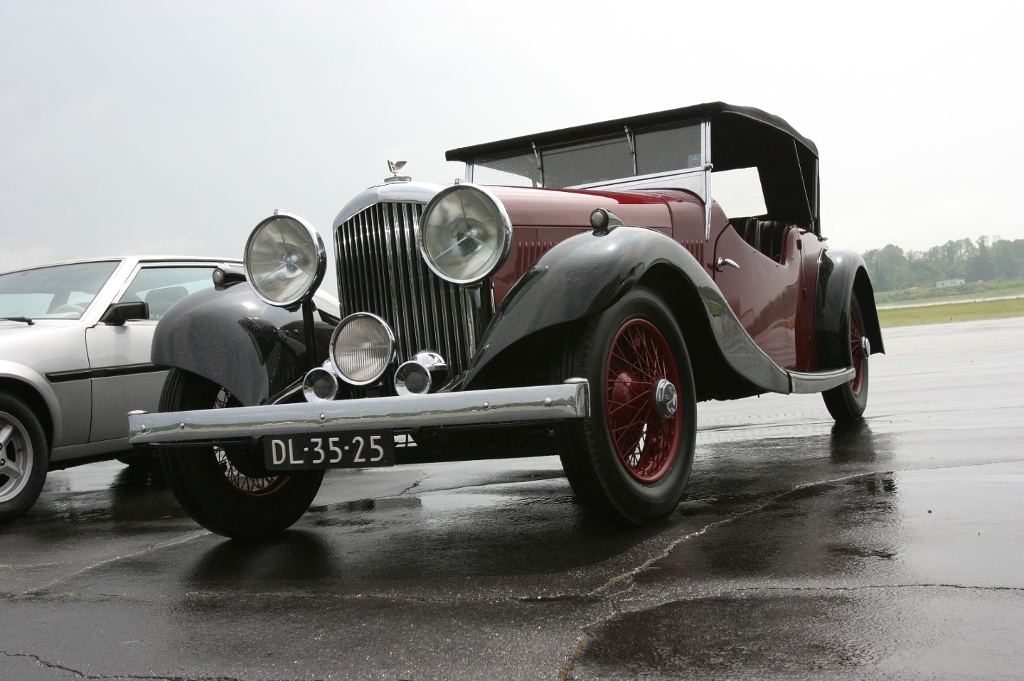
(118, 313)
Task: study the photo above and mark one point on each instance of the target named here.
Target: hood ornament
(394, 167)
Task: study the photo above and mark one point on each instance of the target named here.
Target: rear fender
(841, 273)
(232, 338)
(585, 274)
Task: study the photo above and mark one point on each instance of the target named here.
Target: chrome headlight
(465, 234)
(362, 348)
(285, 260)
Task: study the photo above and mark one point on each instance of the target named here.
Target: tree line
(891, 268)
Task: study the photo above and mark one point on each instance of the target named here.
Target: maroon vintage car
(580, 292)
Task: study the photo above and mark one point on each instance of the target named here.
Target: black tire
(602, 473)
(24, 457)
(848, 401)
(208, 483)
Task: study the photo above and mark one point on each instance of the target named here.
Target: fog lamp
(362, 348)
(319, 385)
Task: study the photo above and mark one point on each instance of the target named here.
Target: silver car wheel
(15, 457)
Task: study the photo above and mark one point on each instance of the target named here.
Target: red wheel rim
(646, 443)
(857, 352)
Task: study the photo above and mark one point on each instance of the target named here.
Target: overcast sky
(174, 127)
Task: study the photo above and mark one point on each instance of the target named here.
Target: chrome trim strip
(506, 405)
(819, 381)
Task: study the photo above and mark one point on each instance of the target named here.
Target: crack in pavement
(161, 545)
(82, 675)
(413, 485)
(630, 574)
(869, 587)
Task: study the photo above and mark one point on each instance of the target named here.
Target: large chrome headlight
(362, 348)
(464, 234)
(285, 260)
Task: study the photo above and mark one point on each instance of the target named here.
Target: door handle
(722, 262)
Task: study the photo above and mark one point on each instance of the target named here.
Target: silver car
(74, 359)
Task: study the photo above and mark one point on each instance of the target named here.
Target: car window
(162, 287)
(56, 292)
(509, 171)
(658, 151)
(739, 192)
(588, 162)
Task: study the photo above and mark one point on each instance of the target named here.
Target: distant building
(949, 282)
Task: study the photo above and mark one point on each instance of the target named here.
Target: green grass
(976, 289)
(953, 312)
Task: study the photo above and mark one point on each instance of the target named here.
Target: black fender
(232, 338)
(585, 274)
(841, 273)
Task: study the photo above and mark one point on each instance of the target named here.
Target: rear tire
(208, 483)
(848, 401)
(24, 457)
(628, 461)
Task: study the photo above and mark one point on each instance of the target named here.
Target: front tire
(24, 457)
(210, 484)
(631, 459)
(847, 402)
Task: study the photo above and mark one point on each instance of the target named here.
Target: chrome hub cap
(665, 398)
(15, 457)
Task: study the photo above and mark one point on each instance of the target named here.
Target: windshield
(58, 292)
(643, 152)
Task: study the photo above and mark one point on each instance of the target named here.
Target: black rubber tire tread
(16, 507)
(204, 492)
(591, 465)
(840, 401)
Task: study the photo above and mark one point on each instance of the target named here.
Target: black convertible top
(712, 110)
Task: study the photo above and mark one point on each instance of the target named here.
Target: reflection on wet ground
(888, 548)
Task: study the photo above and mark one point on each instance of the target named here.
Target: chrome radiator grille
(380, 270)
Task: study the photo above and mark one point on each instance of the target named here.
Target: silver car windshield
(57, 292)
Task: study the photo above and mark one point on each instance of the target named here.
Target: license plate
(363, 449)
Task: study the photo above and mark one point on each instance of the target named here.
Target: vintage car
(579, 292)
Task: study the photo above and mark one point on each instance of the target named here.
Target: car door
(762, 284)
(123, 378)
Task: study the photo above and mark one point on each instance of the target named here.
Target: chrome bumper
(569, 400)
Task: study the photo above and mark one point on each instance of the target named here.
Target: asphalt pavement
(891, 549)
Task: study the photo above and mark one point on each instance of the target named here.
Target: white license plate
(360, 449)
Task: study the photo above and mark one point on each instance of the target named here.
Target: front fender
(587, 273)
(37, 382)
(232, 338)
(841, 273)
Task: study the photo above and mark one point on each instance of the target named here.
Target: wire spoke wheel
(630, 461)
(250, 486)
(848, 401)
(645, 441)
(227, 488)
(856, 352)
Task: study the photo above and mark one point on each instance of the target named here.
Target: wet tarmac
(893, 549)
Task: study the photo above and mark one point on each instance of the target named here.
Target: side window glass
(162, 287)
